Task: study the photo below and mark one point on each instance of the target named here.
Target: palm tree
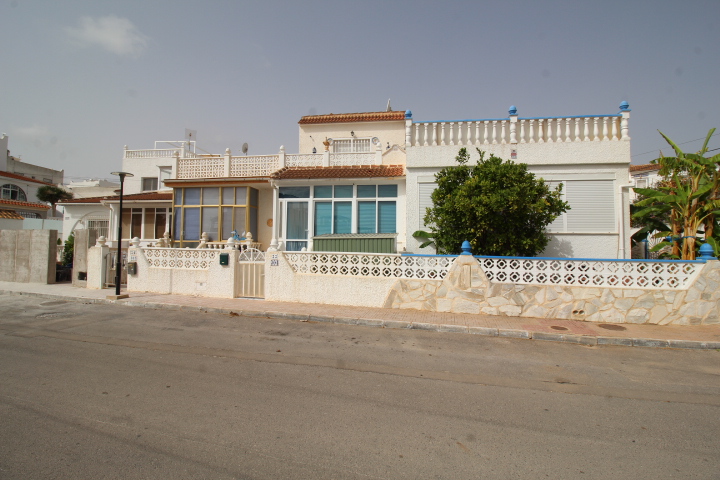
(53, 194)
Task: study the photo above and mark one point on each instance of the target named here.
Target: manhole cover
(55, 315)
(610, 326)
(555, 327)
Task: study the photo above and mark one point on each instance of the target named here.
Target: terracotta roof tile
(23, 177)
(17, 203)
(644, 168)
(360, 171)
(352, 117)
(116, 198)
(11, 215)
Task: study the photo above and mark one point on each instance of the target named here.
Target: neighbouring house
(361, 182)
(92, 187)
(644, 176)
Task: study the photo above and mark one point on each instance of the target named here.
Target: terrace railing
(370, 265)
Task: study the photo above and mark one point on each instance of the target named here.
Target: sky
(81, 79)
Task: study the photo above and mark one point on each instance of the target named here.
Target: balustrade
(525, 130)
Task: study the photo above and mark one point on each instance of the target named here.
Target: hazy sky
(80, 79)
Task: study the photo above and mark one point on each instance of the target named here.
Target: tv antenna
(245, 148)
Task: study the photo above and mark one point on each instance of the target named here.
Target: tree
(498, 206)
(53, 195)
(69, 250)
(689, 196)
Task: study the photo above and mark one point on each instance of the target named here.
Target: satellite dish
(245, 148)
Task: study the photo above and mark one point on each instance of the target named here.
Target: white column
(605, 129)
(513, 129)
(417, 133)
(408, 132)
(442, 133)
(226, 166)
(614, 123)
(532, 131)
(452, 141)
(577, 130)
(503, 124)
(624, 125)
(549, 131)
(281, 157)
(587, 129)
(494, 132)
(596, 130)
(425, 135)
(567, 130)
(274, 240)
(487, 131)
(469, 134)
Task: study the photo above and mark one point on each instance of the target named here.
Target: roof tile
(353, 117)
(17, 203)
(359, 171)
(22, 177)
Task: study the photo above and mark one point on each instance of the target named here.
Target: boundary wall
(28, 256)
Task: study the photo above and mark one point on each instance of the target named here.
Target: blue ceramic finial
(408, 114)
(706, 252)
(513, 110)
(466, 248)
(624, 106)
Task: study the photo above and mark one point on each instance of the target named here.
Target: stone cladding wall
(466, 289)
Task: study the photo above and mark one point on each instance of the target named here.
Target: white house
(362, 182)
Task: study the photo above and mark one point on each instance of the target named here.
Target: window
(28, 214)
(425, 200)
(592, 207)
(165, 173)
(149, 183)
(351, 145)
(641, 182)
(144, 223)
(100, 226)
(13, 192)
(216, 211)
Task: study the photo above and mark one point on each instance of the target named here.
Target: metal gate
(111, 263)
(250, 274)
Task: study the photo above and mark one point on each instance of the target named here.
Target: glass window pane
(386, 217)
(192, 196)
(342, 219)
(294, 192)
(211, 196)
(178, 196)
(252, 228)
(297, 220)
(387, 190)
(136, 225)
(366, 191)
(323, 217)
(227, 218)
(176, 230)
(240, 195)
(228, 196)
(149, 224)
(366, 217)
(343, 191)
(191, 225)
(254, 196)
(324, 191)
(210, 222)
(240, 214)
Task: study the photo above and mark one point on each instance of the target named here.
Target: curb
(587, 340)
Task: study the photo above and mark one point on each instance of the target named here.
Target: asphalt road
(103, 391)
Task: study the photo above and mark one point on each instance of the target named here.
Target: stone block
(632, 293)
(503, 332)
(637, 315)
(510, 310)
(645, 301)
(693, 344)
(424, 326)
(321, 318)
(461, 305)
(452, 328)
(443, 305)
(540, 296)
(649, 342)
(492, 332)
(657, 314)
(535, 311)
(489, 311)
(369, 322)
(497, 301)
(627, 342)
(607, 296)
(396, 324)
(345, 320)
(624, 304)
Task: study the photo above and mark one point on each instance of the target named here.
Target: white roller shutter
(592, 206)
(425, 199)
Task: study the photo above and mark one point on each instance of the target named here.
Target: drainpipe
(621, 218)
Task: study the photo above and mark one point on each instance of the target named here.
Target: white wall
(388, 131)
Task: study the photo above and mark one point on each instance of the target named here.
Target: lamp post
(118, 265)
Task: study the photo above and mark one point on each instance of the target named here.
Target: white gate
(250, 274)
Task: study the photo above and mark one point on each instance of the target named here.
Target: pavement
(567, 331)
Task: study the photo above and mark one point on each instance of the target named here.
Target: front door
(296, 226)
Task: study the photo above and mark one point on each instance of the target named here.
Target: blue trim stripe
(637, 260)
(519, 118)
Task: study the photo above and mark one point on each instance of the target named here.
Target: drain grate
(610, 326)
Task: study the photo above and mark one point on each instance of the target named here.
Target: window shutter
(366, 217)
(387, 217)
(425, 199)
(592, 206)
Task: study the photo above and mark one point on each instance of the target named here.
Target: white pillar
(226, 166)
(275, 226)
(281, 157)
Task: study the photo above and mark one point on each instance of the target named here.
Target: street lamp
(118, 265)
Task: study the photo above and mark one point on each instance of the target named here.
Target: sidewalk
(569, 331)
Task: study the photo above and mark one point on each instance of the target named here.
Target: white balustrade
(351, 159)
(253, 166)
(304, 160)
(206, 167)
(185, 258)
(151, 153)
(370, 265)
(591, 273)
(531, 130)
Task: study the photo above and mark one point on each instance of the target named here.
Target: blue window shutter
(366, 217)
(387, 217)
(323, 217)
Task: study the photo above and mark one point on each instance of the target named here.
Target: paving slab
(568, 331)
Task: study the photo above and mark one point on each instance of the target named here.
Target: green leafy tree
(498, 206)
(53, 194)
(69, 250)
(689, 196)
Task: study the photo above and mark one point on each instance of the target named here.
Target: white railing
(370, 265)
(350, 159)
(205, 167)
(675, 275)
(304, 160)
(253, 166)
(186, 258)
(152, 153)
(242, 245)
(523, 130)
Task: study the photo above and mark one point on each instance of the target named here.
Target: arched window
(13, 192)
